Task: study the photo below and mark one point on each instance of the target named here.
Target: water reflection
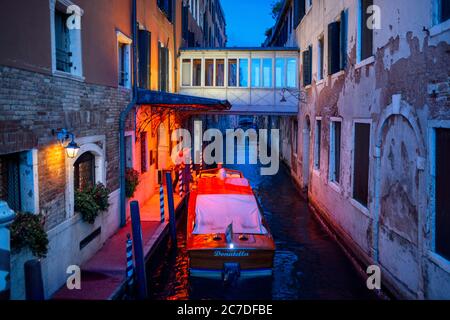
(308, 264)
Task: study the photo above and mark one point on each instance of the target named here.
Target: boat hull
(219, 255)
(212, 263)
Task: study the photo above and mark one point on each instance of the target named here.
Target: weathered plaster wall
(394, 229)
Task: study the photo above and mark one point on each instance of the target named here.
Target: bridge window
(186, 71)
(262, 73)
(209, 72)
(291, 73)
(256, 72)
(243, 72)
(280, 72)
(267, 73)
(197, 73)
(232, 72)
(220, 72)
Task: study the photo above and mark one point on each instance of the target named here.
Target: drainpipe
(175, 47)
(6, 218)
(123, 117)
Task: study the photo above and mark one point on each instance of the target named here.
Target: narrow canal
(308, 263)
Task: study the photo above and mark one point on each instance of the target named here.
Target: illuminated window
(256, 73)
(291, 73)
(186, 72)
(220, 72)
(243, 72)
(209, 72)
(280, 72)
(232, 72)
(197, 73)
(267, 73)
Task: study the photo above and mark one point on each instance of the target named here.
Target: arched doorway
(84, 171)
(306, 147)
(398, 195)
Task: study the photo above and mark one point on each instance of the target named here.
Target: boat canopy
(215, 212)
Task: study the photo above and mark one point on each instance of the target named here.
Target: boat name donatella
(218, 253)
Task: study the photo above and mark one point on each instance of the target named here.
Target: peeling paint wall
(400, 91)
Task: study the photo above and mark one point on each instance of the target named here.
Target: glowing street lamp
(67, 140)
(72, 149)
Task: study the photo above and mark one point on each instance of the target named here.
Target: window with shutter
(166, 7)
(361, 163)
(444, 10)
(335, 152)
(343, 38)
(317, 144)
(299, 12)
(442, 193)
(10, 180)
(320, 60)
(366, 34)
(163, 68)
(144, 43)
(334, 59)
(307, 66)
(62, 42)
(143, 138)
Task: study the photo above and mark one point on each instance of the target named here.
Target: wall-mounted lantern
(299, 95)
(67, 140)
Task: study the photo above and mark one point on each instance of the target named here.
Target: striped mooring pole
(130, 265)
(180, 179)
(161, 202)
(192, 170)
(201, 160)
(138, 248)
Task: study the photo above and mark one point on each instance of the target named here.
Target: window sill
(360, 207)
(320, 82)
(308, 10)
(365, 62)
(124, 87)
(309, 86)
(440, 261)
(335, 186)
(337, 74)
(440, 28)
(66, 75)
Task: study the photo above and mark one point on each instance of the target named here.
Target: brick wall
(33, 104)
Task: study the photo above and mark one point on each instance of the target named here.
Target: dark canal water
(308, 264)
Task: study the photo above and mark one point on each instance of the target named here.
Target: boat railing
(215, 171)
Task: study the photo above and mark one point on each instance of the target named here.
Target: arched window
(84, 171)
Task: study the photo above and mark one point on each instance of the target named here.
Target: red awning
(180, 102)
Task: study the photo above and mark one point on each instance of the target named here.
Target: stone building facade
(371, 138)
(54, 76)
(204, 24)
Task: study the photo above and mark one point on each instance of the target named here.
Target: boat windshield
(215, 212)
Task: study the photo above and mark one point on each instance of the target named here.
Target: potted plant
(131, 182)
(27, 231)
(92, 201)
